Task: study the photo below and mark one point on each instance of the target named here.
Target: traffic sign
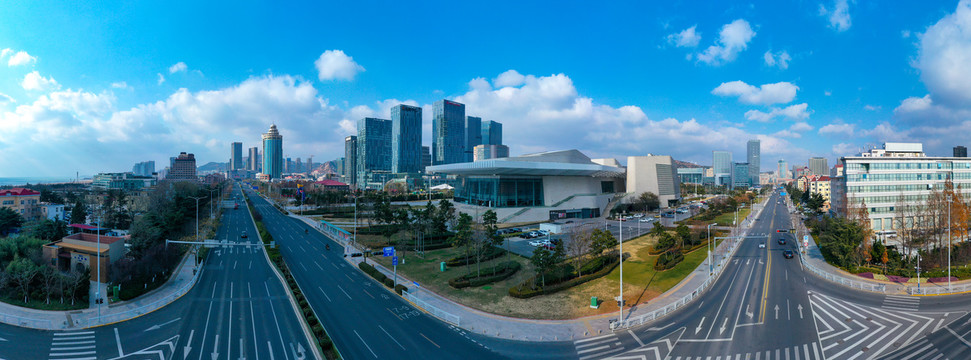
(388, 251)
(805, 240)
(416, 284)
(394, 261)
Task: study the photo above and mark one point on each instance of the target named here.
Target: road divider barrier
(431, 309)
(880, 288)
(94, 320)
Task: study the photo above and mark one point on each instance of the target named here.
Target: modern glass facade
(818, 166)
(373, 147)
(691, 175)
(754, 158)
(273, 153)
(491, 133)
(406, 139)
(722, 164)
(350, 160)
(236, 156)
(473, 136)
(448, 132)
(741, 176)
(501, 191)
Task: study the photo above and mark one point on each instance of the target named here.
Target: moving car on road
(782, 241)
(762, 245)
(243, 235)
(788, 254)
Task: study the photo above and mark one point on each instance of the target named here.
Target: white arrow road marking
(722, 329)
(299, 352)
(698, 329)
(777, 311)
(215, 346)
(185, 352)
(748, 313)
(241, 349)
(748, 261)
(800, 310)
(159, 326)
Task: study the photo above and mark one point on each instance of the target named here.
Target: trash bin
(442, 266)
(594, 303)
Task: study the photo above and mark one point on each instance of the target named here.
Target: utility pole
(97, 293)
(197, 214)
(710, 267)
(948, 243)
(620, 301)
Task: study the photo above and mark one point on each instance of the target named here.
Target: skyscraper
(426, 157)
(473, 136)
(350, 160)
(721, 162)
(145, 168)
(818, 166)
(754, 159)
(448, 132)
(405, 139)
(273, 153)
(491, 133)
(236, 156)
(783, 170)
(254, 159)
(183, 168)
(373, 147)
(960, 151)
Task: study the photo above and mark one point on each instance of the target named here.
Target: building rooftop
(18, 192)
(93, 238)
(329, 182)
(555, 163)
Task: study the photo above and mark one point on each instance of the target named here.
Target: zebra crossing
(810, 351)
(848, 330)
(953, 341)
(656, 350)
(76, 345)
(597, 347)
(905, 303)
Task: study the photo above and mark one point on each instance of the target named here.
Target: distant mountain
(686, 165)
(326, 167)
(213, 166)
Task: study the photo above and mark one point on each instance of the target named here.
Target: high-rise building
(491, 133)
(253, 161)
(183, 168)
(473, 136)
(754, 158)
(721, 162)
(657, 174)
(448, 132)
(783, 170)
(310, 165)
(373, 147)
(818, 166)
(145, 168)
(298, 166)
(350, 160)
(740, 178)
(236, 156)
(426, 157)
(405, 139)
(486, 152)
(273, 153)
(960, 151)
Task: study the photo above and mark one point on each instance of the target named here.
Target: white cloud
(828, 93)
(120, 85)
(509, 78)
(733, 38)
(921, 110)
(869, 107)
(838, 128)
(6, 99)
(766, 94)
(33, 81)
(944, 55)
(838, 16)
(686, 38)
(5, 52)
(905, 34)
(178, 67)
(780, 59)
(801, 126)
(161, 78)
(844, 149)
(792, 112)
(20, 58)
(334, 64)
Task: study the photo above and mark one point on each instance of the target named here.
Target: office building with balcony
(183, 168)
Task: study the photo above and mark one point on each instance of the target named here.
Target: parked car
(647, 220)
(535, 243)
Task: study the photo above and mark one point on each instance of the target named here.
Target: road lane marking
(429, 340)
(369, 294)
(369, 346)
(345, 292)
(392, 337)
(275, 320)
(765, 288)
(396, 315)
(325, 294)
(121, 353)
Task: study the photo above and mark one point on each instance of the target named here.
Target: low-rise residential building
(22, 201)
(52, 211)
(85, 250)
(821, 185)
(328, 184)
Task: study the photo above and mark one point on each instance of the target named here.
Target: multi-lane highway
(238, 310)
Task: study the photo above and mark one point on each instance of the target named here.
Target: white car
(647, 220)
(762, 245)
(535, 243)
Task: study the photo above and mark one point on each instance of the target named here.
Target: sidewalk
(178, 284)
(552, 330)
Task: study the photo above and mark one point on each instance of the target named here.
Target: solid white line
(365, 344)
(74, 353)
(256, 349)
(270, 347)
(206, 329)
(118, 340)
(229, 337)
(325, 294)
(345, 292)
(74, 333)
(392, 337)
(275, 320)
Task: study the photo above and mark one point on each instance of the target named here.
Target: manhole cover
(840, 341)
(869, 319)
(849, 320)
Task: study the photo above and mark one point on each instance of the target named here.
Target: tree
(580, 242)
(601, 240)
(658, 229)
(815, 203)
(22, 272)
(463, 237)
(648, 201)
(47, 229)
(684, 233)
(49, 196)
(544, 261)
(78, 214)
(49, 278)
(9, 220)
(444, 216)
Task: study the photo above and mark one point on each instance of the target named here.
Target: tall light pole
(211, 201)
(197, 214)
(710, 267)
(97, 293)
(620, 301)
(948, 243)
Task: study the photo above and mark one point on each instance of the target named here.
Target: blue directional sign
(416, 284)
(394, 261)
(388, 251)
(783, 193)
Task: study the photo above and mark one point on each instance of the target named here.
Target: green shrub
(595, 264)
(400, 288)
(489, 254)
(487, 276)
(531, 287)
(668, 260)
(388, 282)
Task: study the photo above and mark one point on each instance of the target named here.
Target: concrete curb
(293, 302)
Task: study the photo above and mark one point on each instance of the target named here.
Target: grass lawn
(727, 218)
(55, 304)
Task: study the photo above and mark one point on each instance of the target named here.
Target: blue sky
(97, 87)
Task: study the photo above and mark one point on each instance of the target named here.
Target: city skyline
(715, 77)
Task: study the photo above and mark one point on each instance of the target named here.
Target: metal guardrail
(25, 322)
(155, 305)
(439, 313)
(841, 280)
(939, 289)
(687, 299)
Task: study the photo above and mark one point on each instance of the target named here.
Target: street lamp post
(620, 301)
(948, 243)
(197, 214)
(710, 267)
(97, 293)
(211, 215)
(918, 271)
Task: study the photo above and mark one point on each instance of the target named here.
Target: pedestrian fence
(685, 300)
(95, 320)
(15, 320)
(938, 289)
(439, 313)
(881, 288)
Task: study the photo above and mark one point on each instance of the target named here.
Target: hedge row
(487, 276)
(530, 287)
(381, 277)
(490, 253)
(668, 260)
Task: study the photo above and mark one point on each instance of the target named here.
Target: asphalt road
(237, 310)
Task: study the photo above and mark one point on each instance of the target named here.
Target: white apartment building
(898, 173)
